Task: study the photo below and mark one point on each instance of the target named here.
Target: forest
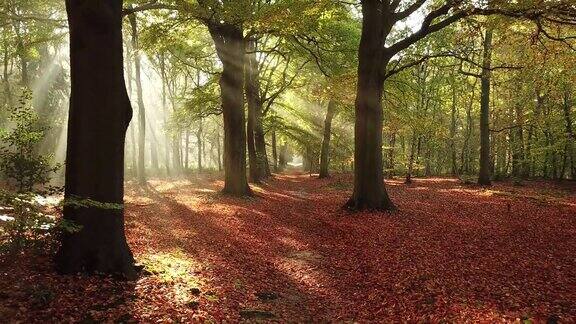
(287, 161)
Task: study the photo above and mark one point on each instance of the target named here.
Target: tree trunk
(254, 172)
(165, 108)
(154, 151)
(518, 158)
(132, 141)
(391, 155)
(229, 43)
(187, 150)
(484, 174)
(6, 81)
(567, 107)
(219, 148)
(274, 151)
(99, 116)
(369, 191)
(141, 108)
(453, 115)
(21, 50)
(465, 153)
(283, 157)
(325, 150)
(410, 170)
(257, 156)
(199, 144)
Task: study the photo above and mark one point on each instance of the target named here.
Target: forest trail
(453, 251)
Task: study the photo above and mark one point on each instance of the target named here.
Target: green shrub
(20, 161)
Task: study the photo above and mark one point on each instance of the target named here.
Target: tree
(484, 174)
(99, 115)
(325, 150)
(140, 98)
(258, 159)
(378, 48)
(229, 41)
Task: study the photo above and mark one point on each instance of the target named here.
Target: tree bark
(567, 107)
(186, 149)
(274, 151)
(162, 58)
(325, 149)
(484, 174)
(21, 50)
(257, 156)
(141, 108)
(283, 157)
(453, 115)
(391, 155)
(99, 115)
(6, 60)
(199, 146)
(154, 150)
(229, 41)
(518, 158)
(219, 148)
(410, 170)
(369, 191)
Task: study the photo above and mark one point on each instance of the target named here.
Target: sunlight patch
(174, 269)
(171, 267)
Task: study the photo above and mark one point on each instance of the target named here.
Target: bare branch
(428, 28)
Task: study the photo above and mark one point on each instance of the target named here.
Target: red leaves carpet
(453, 252)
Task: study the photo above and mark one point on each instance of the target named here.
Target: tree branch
(153, 4)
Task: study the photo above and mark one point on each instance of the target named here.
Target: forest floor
(452, 252)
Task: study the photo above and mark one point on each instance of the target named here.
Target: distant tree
(325, 149)
(484, 174)
(140, 99)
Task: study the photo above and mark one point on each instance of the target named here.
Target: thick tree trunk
(99, 116)
(484, 174)
(251, 97)
(140, 98)
(257, 156)
(230, 49)
(325, 149)
(260, 142)
(369, 191)
(132, 141)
